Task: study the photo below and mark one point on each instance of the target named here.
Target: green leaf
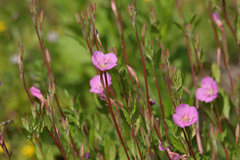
(11, 156)
(122, 154)
(178, 80)
(226, 106)
(70, 102)
(47, 122)
(216, 72)
(103, 126)
(38, 152)
(126, 116)
(171, 126)
(176, 143)
(235, 152)
(109, 148)
(137, 125)
(91, 136)
(49, 154)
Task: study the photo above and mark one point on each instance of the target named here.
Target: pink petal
(207, 82)
(178, 120)
(36, 92)
(160, 147)
(97, 59)
(199, 94)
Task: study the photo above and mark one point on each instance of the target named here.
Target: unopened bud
(81, 152)
(19, 59)
(77, 17)
(30, 6)
(152, 102)
(133, 73)
(48, 56)
(147, 142)
(94, 8)
(129, 10)
(144, 30)
(114, 8)
(41, 17)
(22, 50)
(217, 21)
(237, 133)
(88, 13)
(53, 88)
(48, 101)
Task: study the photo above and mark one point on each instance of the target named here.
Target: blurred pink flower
(96, 85)
(218, 21)
(36, 92)
(160, 147)
(185, 115)
(104, 62)
(208, 91)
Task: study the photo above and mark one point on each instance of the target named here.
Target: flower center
(211, 91)
(105, 61)
(185, 118)
(99, 86)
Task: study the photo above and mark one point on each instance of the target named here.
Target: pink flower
(160, 147)
(36, 92)
(217, 20)
(208, 91)
(96, 85)
(185, 115)
(104, 62)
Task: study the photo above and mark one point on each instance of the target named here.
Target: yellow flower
(3, 26)
(28, 150)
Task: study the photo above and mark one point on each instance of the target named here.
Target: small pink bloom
(104, 62)
(96, 85)
(176, 157)
(185, 115)
(36, 92)
(217, 20)
(160, 147)
(208, 91)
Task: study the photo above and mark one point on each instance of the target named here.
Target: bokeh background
(71, 61)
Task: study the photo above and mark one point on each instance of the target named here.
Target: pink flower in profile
(208, 91)
(104, 62)
(217, 20)
(37, 93)
(185, 115)
(160, 147)
(96, 85)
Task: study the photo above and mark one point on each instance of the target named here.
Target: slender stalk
(145, 72)
(218, 119)
(189, 145)
(51, 82)
(5, 150)
(39, 146)
(219, 46)
(183, 148)
(229, 24)
(161, 105)
(112, 114)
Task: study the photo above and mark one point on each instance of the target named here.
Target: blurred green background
(71, 61)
